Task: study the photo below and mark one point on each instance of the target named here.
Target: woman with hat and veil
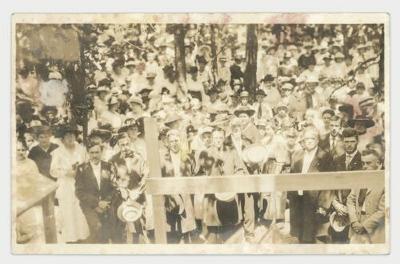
(66, 159)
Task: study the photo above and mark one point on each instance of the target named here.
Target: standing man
(331, 142)
(349, 161)
(94, 189)
(222, 216)
(237, 141)
(308, 209)
(367, 206)
(179, 207)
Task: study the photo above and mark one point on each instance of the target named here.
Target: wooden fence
(158, 186)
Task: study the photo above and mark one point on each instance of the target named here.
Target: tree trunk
(214, 54)
(250, 74)
(180, 63)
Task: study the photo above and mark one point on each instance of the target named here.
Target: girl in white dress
(63, 166)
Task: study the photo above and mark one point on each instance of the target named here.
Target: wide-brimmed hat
(261, 92)
(347, 108)
(287, 86)
(254, 154)
(338, 222)
(38, 130)
(367, 101)
(128, 123)
(368, 122)
(220, 120)
(129, 212)
(63, 129)
(308, 44)
(328, 57)
(144, 90)
(130, 62)
(328, 111)
(104, 134)
(47, 108)
(205, 129)
(172, 118)
(281, 106)
(113, 100)
(243, 109)
(225, 196)
(135, 100)
(103, 88)
(91, 88)
(339, 55)
(261, 122)
(223, 58)
(269, 78)
(244, 94)
(151, 75)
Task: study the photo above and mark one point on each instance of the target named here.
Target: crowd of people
(318, 107)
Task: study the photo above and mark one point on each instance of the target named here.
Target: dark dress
(42, 159)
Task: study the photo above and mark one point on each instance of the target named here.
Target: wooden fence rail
(157, 186)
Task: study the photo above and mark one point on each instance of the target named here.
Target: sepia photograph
(264, 133)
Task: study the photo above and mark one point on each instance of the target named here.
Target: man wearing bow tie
(349, 161)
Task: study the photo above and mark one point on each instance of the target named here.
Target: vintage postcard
(262, 133)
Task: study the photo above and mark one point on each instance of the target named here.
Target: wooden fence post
(49, 220)
(153, 157)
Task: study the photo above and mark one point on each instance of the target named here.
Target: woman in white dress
(63, 166)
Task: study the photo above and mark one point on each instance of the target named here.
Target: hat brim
(105, 135)
(249, 112)
(367, 122)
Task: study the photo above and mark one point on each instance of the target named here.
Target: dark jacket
(304, 222)
(87, 189)
(340, 165)
(43, 158)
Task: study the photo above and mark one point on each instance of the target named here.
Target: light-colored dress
(72, 220)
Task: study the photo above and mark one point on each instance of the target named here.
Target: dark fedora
(64, 129)
(261, 92)
(368, 122)
(39, 130)
(243, 109)
(128, 123)
(104, 134)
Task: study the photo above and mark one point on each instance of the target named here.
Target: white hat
(339, 55)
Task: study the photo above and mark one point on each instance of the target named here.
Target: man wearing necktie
(331, 141)
(308, 209)
(349, 161)
(367, 206)
(94, 189)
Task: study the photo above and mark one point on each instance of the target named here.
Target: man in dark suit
(331, 141)
(349, 161)
(94, 189)
(308, 209)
